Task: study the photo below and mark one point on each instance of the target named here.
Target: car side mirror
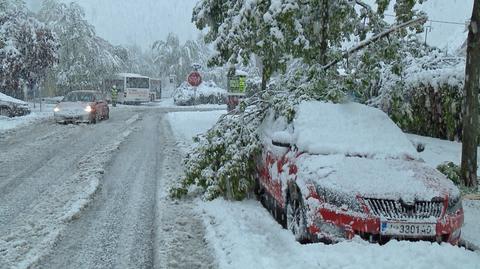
(281, 144)
(420, 147)
(282, 139)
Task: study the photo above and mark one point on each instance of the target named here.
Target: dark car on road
(82, 107)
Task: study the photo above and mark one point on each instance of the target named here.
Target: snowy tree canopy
(299, 39)
(276, 31)
(27, 49)
(85, 59)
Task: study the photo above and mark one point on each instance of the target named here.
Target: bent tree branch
(375, 38)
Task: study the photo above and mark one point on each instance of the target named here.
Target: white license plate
(407, 229)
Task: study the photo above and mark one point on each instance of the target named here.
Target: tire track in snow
(36, 228)
(180, 234)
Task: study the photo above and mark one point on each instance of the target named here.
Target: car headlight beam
(56, 109)
(88, 109)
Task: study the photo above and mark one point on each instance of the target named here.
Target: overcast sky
(138, 22)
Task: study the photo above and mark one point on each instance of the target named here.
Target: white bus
(132, 88)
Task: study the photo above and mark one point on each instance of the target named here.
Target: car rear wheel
(295, 211)
(98, 117)
(93, 119)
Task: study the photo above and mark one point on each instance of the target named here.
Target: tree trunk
(266, 73)
(472, 84)
(325, 19)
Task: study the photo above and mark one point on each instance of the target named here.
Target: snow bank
(207, 93)
(350, 129)
(471, 228)
(438, 151)
(186, 125)
(244, 235)
(7, 123)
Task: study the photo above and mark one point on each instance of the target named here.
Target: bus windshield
(138, 83)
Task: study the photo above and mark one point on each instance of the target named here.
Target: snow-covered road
(95, 196)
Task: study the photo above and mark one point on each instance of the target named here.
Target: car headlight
(56, 109)
(454, 206)
(88, 109)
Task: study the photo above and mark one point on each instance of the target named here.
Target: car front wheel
(296, 220)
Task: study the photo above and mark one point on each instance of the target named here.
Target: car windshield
(79, 97)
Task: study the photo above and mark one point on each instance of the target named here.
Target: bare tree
(472, 84)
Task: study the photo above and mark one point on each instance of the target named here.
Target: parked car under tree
(11, 107)
(341, 170)
(82, 107)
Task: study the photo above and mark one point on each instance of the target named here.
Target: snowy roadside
(244, 235)
(438, 151)
(168, 103)
(62, 202)
(186, 125)
(7, 124)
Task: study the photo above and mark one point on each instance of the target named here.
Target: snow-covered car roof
(7, 99)
(349, 129)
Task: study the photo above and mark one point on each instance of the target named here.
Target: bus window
(138, 83)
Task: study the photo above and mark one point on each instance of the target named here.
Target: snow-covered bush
(426, 98)
(451, 171)
(207, 93)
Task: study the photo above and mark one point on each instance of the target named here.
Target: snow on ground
(438, 151)
(186, 125)
(471, 228)
(169, 103)
(31, 231)
(7, 123)
(244, 235)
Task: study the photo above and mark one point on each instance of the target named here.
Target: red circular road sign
(194, 79)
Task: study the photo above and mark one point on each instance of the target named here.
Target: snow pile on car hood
(349, 129)
(7, 99)
(375, 178)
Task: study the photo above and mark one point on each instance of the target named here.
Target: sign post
(236, 89)
(194, 79)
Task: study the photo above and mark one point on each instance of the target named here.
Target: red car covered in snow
(343, 170)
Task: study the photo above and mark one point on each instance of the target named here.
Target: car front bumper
(347, 225)
(72, 118)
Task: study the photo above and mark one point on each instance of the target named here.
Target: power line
(437, 21)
